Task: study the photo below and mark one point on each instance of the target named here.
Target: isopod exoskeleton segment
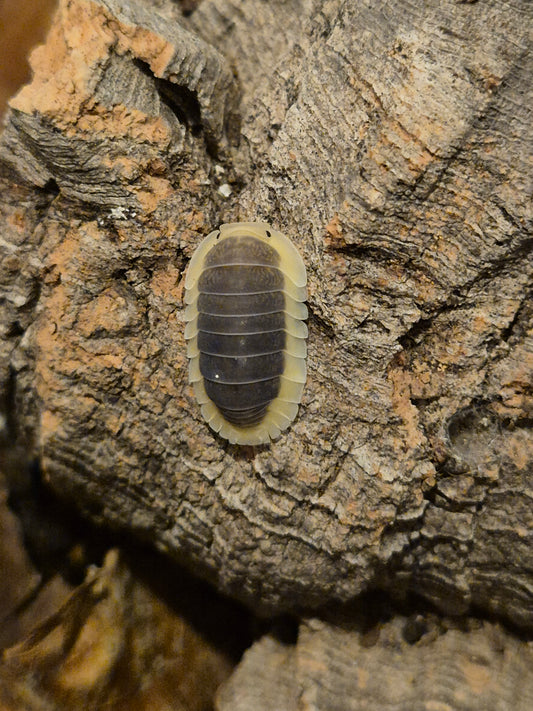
(246, 338)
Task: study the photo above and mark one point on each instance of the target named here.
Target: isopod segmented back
(246, 338)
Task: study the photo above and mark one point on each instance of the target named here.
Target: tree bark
(390, 142)
(341, 668)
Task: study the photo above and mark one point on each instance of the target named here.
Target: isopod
(246, 334)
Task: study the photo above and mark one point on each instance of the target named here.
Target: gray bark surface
(337, 668)
(390, 142)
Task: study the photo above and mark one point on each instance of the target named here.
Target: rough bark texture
(339, 669)
(390, 142)
(23, 25)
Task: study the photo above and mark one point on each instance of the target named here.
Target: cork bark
(390, 142)
(405, 663)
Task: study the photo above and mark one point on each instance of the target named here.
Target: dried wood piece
(388, 142)
(331, 667)
(112, 645)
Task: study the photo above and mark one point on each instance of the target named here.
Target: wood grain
(341, 668)
(390, 142)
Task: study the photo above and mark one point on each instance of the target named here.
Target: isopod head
(246, 334)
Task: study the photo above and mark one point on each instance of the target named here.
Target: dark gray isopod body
(245, 289)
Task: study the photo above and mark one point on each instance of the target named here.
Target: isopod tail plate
(246, 338)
